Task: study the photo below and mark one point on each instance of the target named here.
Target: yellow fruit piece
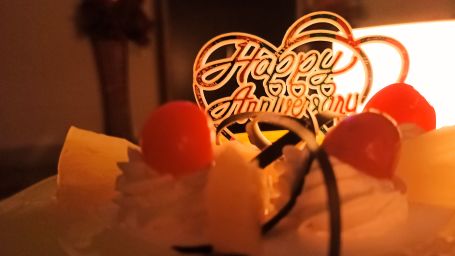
(272, 136)
(87, 173)
(88, 162)
(427, 166)
(234, 203)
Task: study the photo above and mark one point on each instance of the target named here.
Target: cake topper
(237, 72)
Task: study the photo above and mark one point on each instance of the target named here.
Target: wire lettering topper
(237, 72)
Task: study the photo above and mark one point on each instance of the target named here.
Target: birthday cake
(337, 181)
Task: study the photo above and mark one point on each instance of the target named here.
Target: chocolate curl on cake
(304, 134)
(299, 130)
(273, 151)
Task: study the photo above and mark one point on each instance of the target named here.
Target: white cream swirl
(370, 208)
(159, 209)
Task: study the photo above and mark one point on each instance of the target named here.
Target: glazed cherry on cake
(368, 141)
(405, 104)
(176, 139)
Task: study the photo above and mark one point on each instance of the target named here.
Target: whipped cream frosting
(159, 209)
(370, 208)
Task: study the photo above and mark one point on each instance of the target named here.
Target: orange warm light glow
(431, 53)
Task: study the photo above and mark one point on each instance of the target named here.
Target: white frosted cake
(107, 199)
(336, 180)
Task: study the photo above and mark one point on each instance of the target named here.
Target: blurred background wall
(48, 82)
(48, 76)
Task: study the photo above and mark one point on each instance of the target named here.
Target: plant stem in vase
(111, 57)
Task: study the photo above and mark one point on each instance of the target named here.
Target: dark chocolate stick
(333, 202)
(296, 190)
(202, 249)
(194, 249)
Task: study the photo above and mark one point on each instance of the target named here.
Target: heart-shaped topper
(238, 72)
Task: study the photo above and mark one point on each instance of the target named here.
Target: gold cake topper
(238, 72)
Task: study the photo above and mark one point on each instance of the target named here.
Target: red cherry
(176, 139)
(368, 141)
(406, 105)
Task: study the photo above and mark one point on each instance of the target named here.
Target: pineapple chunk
(427, 165)
(234, 203)
(88, 163)
(87, 174)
